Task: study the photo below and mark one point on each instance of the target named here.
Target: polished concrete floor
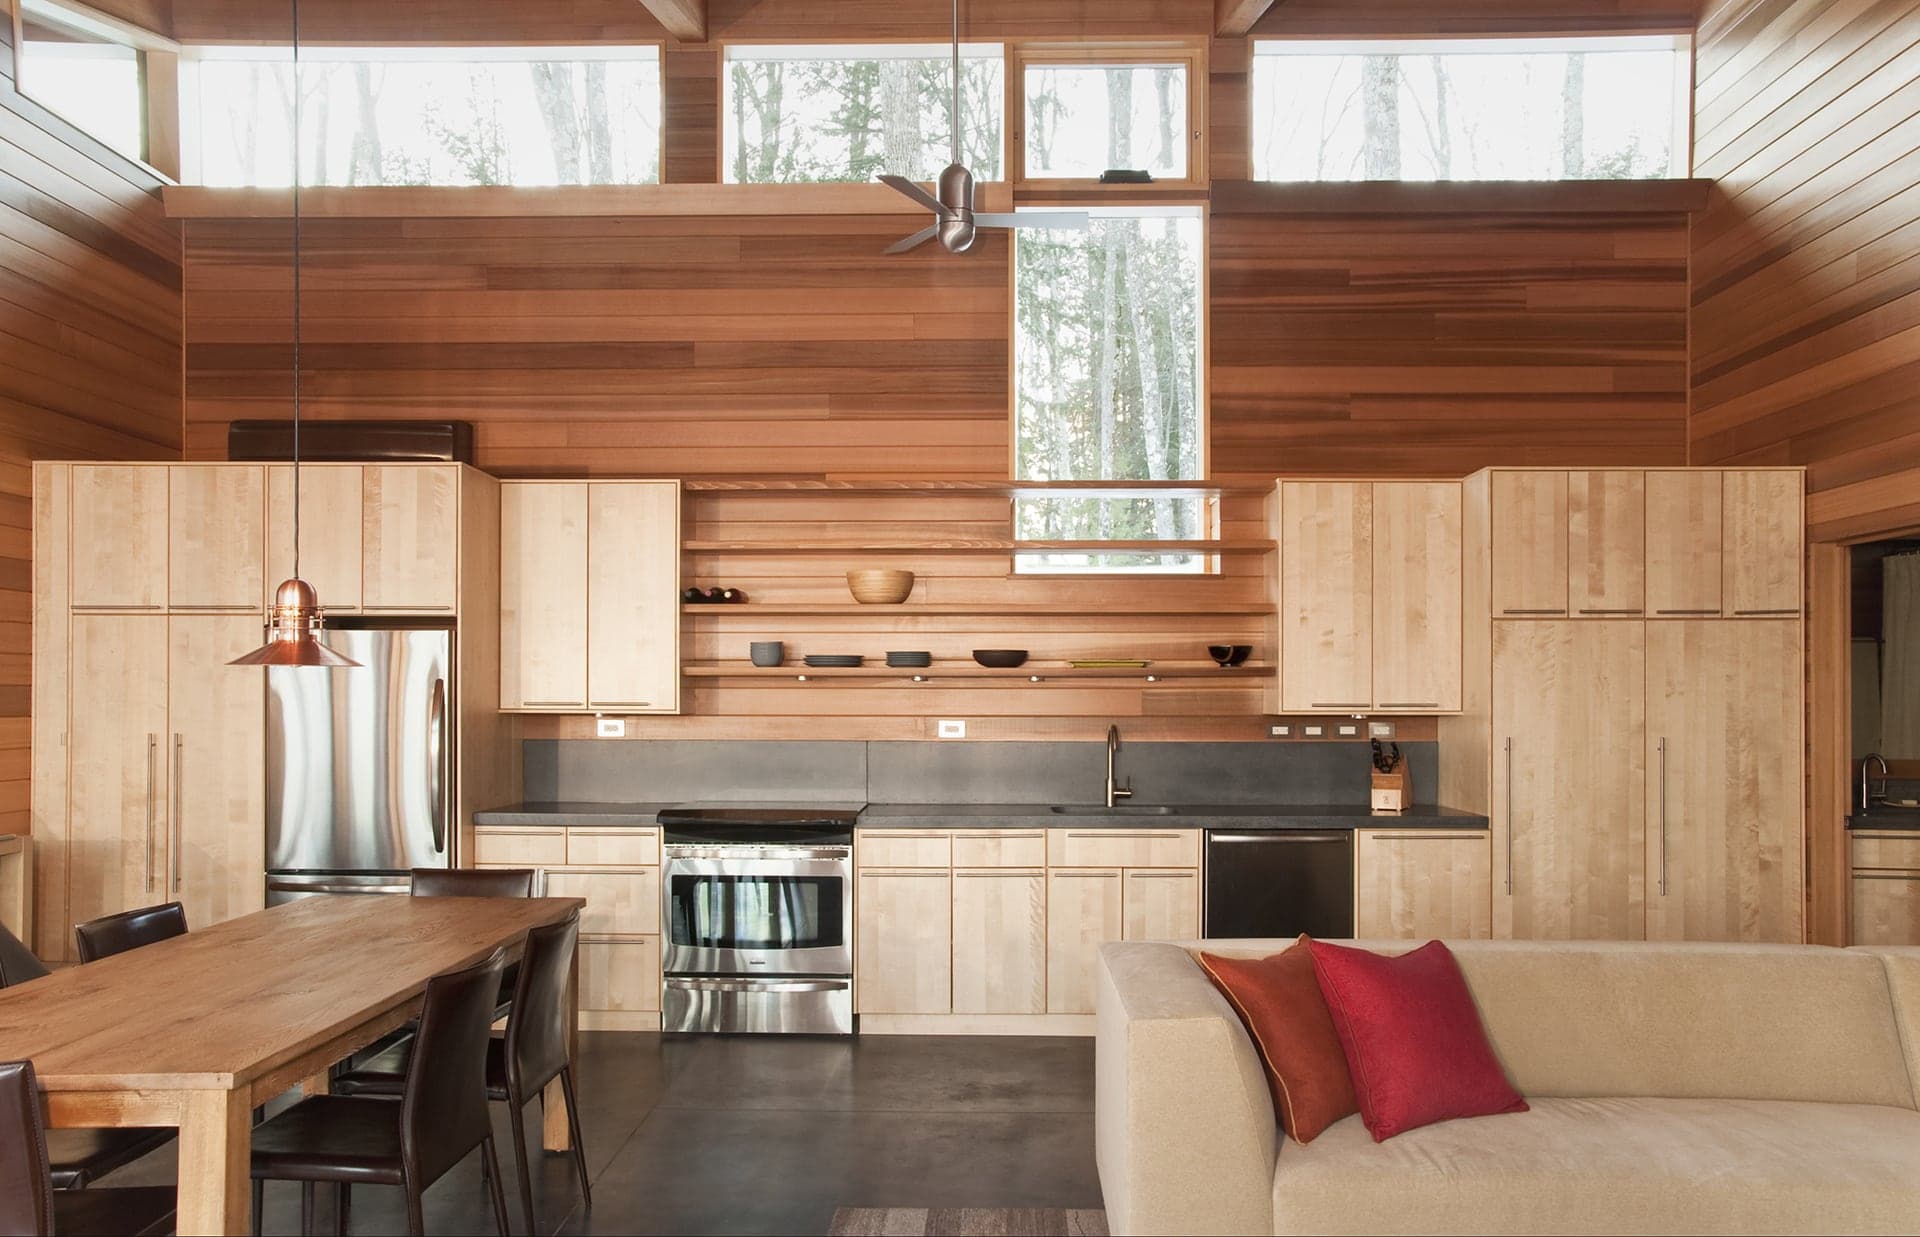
(743, 1134)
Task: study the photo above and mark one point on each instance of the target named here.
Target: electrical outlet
(1280, 732)
(610, 727)
(1349, 731)
(1313, 732)
(952, 729)
(1379, 730)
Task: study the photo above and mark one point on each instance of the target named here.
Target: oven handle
(758, 852)
(704, 984)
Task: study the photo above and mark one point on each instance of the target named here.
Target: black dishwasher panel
(1279, 883)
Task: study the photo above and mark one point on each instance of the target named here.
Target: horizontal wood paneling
(90, 330)
(1431, 344)
(1806, 297)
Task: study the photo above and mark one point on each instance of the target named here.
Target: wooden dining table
(196, 1031)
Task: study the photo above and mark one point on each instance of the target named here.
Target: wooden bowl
(875, 587)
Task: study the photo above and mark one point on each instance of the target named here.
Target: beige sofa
(1674, 1089)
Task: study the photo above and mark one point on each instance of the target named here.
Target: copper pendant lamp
(295, 620)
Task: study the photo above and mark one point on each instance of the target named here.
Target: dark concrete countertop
(1225, 816)
(1906, 818)
(599, 815)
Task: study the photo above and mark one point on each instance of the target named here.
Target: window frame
(186, 92)
(159, 80)
(1682, 42)
(1025, 54)
(725, 48)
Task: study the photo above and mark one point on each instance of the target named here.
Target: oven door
(762, 913)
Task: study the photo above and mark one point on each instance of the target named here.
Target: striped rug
(967, 1222)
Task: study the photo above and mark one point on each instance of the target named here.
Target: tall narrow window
(426, 116)
(86, 71)
(1108, 387)
(848, 113)
(1472, 109)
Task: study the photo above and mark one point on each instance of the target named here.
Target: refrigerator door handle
(437, 747)
(391, 885)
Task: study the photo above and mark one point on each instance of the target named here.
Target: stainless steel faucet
(1114, 793)
(1866, 786)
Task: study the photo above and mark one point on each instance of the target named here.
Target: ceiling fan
(955, 222)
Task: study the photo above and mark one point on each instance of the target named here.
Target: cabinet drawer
(1000, 848)
(905, 848)
(618, 903)
(613, 848)
(1123, 848)
(532, 848)
(1888, 850)
(620, 975)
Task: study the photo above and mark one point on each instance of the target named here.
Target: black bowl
(905, 661)
(1001, 659)
(1229, 654)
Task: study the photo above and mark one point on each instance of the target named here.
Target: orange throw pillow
(1279, 1000)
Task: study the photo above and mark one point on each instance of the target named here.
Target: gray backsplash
(664, 771)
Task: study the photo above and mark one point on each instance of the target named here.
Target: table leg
(554, 1134)
(216, 1138)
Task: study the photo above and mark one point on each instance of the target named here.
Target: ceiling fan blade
(915, 241)
(1063, 220)
(901, 184)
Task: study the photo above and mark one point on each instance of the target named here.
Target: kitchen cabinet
(216, 843)
(543, 595)
(1416, 596)
(1607, 544)
(1568, 813)
(410, 538)
(1425, 884)
(1326, 595)
(1886, 887)
(116, 846)
(1723, 734)
(999, 941)
(1762, 527)
(119, 537)
(633, 596)
(216, 537)
(1529, 544)
(620, 901)
(1160, 906)
(620, 983)
(1123, 848)
(1684, 543)
(331, 528)
(903, 946)
(1084, 910)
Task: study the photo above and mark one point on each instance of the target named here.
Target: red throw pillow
(1279, 1000)
(1413, 1038)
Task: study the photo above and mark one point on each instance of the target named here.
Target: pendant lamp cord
(296, 288)
(955, 102)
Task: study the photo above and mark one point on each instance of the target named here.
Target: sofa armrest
(1184, 1130)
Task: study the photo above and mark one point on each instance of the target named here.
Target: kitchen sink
(1118, 809)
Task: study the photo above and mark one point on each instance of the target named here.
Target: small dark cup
(1225, 655)
(767, 652)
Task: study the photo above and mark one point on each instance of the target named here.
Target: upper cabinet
(119, 537)
(410, 525)
(216, 517)
(182, 537)
(1369, 596)
(330, 528)
(1529, 544)
(1607, 544)
(590, 596)
(1683, 543)
(1761, 524)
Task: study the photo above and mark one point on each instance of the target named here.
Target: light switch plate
(1313, 732)
(1379, 730)
(952, 729)
(1349, 731)
(610, 727)
(1280, 732)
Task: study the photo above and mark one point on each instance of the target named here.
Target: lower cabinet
(1422, 885)
(620, 978)
(1886, 887)
(1083, 911)
(903, 941)
(1000, 941)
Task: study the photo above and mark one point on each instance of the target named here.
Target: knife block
(1392, 792)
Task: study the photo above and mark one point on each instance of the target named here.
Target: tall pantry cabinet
(1633, 697)
(149, 750)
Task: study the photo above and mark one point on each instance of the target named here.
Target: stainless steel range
(757, 911)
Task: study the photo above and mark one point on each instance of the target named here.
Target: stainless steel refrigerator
(359, 765)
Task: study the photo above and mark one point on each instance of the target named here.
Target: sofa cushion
(1278, 999)
(1412, 1036)
(1903, 979)
(1614, 1166)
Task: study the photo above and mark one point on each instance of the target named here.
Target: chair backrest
(116, 934)
(443, 1111)
(537, 1028)
(26, 1190)
(17, 963)
(473, 883)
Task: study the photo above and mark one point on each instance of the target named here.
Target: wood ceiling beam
(1234, 18)
(685, 20)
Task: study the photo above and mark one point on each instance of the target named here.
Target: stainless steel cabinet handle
(1751, 613)
(1335, 704)
(1663, 817)
(406, 609)
(1708, 612)
(437, 750)
(178, 833)
(554, 704)
(1509, 816)
(1409, 704)
(153, 743)
(1522, 611)
(621, 704)
(1597, 611)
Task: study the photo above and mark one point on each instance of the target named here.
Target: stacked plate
(823, 661)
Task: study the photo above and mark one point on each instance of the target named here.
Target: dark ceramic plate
(821, 661)
(909, 661)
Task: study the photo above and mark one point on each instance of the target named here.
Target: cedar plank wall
(1806, 292)
(90, 326)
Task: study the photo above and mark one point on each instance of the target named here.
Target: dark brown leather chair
(116, 934)
(441, 1117)
(78, 1158)
(532, 1055)
(28, 1201)
(472, 882)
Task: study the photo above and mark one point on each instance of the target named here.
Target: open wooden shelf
(983, 546)
(967, 670)
(967, 609)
